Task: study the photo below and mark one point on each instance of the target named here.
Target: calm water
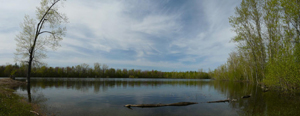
(107, 97)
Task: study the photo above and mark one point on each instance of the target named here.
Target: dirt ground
(7, 82)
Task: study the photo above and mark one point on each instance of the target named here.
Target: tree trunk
(29, 71)
(12, 77)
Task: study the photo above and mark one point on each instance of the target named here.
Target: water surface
(107, 97)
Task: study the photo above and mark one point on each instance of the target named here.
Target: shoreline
(12, 103)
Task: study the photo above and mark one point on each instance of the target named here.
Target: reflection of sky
(70, 101)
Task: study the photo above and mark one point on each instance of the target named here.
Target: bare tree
(35, 37)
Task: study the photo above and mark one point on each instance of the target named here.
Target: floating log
(246, 96)
(227, 100)
(160, 105)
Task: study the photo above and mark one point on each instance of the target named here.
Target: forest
(98, 71)
(267, 44)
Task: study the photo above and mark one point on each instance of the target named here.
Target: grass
(12, 104)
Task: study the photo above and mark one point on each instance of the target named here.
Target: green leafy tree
(247, 23)
(104, 68)
(97, 69)
(268, 48)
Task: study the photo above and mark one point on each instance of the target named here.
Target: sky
(165, 35)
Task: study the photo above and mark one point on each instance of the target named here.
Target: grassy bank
(12, 104)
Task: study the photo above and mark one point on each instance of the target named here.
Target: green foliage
(268, 44)
(131, 76)
(284, 73)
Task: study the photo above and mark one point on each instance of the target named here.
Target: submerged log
(160, 105)
(227, 100)
(182, 104)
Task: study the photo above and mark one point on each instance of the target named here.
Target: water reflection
(103, 84)
(108, 96)
(260, 103)
(28, 93)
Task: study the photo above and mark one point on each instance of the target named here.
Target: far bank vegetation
(97, 71)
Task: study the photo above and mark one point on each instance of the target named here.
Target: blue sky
(167, 35)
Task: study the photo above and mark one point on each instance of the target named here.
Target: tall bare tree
(36, 36)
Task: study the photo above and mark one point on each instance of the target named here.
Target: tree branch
(53, 34)
(57, 13)
(46, 32)
(40, 28)
(48, 10)
(42, 21)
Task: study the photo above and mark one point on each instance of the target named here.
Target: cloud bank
(165, 35)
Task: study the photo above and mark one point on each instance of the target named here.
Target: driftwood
(227, 100)
(34, 112)
(160, 105)
(181, 103)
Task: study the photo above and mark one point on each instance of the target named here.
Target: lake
(107, 97)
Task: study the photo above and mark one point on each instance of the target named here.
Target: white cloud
(213, 44)
(114, 29)
(147, 28)
(158, 25)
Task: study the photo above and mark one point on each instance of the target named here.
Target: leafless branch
(53, 34)
(46, 32)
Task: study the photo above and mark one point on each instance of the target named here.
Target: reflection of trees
(29, 92)
(260, 103)
(104, 84)
(33, 95)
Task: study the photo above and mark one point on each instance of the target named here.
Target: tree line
(97, 71)
(268, 49)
